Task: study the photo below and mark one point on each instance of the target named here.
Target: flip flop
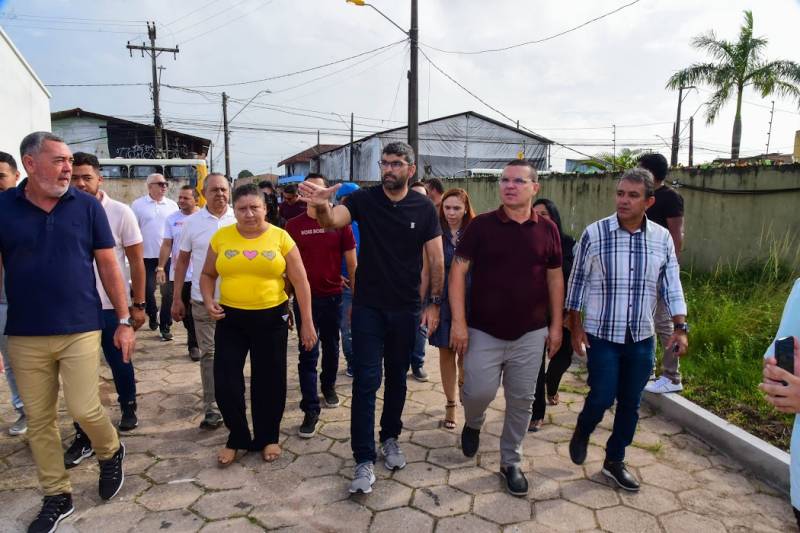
(449, 421)
(271, 452)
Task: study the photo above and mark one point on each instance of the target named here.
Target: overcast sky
(571, 89)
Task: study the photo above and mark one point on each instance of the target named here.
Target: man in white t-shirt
(128, 244)
(168, 256)
(197, 232)
(151, 211)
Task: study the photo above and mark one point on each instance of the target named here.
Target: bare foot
(271, 452)
(225, 457)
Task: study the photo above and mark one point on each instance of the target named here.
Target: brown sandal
(552, 400)
(227, 456)
(449, 421)
(271, 452)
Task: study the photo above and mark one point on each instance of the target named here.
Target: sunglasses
(160, 183)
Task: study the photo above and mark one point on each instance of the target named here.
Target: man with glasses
(151, 212)
(395, 226)
(517, 289)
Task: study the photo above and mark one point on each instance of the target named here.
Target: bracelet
(159, 269)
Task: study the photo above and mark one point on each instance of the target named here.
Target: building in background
(108, 137)
(24, 100)
(301, 164)
(450, 146)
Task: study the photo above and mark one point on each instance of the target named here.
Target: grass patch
(734, 313)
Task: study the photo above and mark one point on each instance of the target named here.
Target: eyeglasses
(505, 182)
(160, 183)
(393, 164)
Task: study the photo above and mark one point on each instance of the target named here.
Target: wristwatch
(435, 299)
(159, 269)
(125, 322)
(138, 305)
(683, 326)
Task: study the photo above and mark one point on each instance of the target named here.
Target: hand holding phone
(784, 354)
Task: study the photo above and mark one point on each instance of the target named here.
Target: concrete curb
(763, 459)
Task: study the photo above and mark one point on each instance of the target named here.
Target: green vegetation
(736, 65)
(734, 313)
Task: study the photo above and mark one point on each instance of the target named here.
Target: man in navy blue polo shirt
(50, 236)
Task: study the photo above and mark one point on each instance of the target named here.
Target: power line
(537, 41)
(69, 20)
(50, 28)
(220, 26)
(227, 9)
(190, 13)
(94, 84)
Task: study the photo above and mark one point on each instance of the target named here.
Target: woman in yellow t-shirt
(250, 259)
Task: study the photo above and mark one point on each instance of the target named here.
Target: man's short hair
(434, 184)
(643, 176)
(32, 143)
(291, 188)
(266, 184)
(194, 191)
(84, 158)
(318, 176)
(656, 164)
(151, 178)
(401, 149)
(524, 163)
(220, 174)
(9, 160)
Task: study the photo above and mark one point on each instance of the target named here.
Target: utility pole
(677, 131)
(351, 146)
(153, 51)
(413, 89)
(769, 132)
(614, 148)
(691, 141)
(227, 134)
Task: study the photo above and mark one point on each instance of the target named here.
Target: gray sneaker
(393, 457)
(363, 478)
(20, 427)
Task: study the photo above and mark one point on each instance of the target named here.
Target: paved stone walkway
(173, 485)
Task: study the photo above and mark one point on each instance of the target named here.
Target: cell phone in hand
(784, 354)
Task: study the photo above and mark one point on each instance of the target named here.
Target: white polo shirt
(197, 232)
(151, 216)
(126, 233)
(173, 227)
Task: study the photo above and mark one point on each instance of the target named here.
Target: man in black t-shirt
(395, 227)
(667, 211)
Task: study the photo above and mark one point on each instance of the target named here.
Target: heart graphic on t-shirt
(230, 254)
(250, 254)
(269, 254)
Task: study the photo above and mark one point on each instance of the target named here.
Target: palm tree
(607, 161)
(738, 65)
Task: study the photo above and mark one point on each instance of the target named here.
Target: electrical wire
(193, 25)
(220, 26)
(537, 41)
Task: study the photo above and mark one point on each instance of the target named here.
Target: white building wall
(24, 101)
(84, 134)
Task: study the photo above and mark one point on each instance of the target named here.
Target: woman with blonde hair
(455, 213)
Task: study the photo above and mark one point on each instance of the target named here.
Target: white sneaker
(363, 478)
(663, 385)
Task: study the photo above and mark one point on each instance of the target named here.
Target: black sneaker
(331, 398)
(194, 354)
(309, 426)
(348, 371)
(54, 509)
(128, 421)
(516, 484)
(470, 440)
(80, 449)
(577, 448)
(419, 374)
(111, 474)
(616, 471)
(212, 420)
(166, 335)
(153, 323)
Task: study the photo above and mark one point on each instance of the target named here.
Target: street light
(676, 132)
(226, 122)
(413, 90)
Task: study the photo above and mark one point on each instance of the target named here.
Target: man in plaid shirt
(622, 263)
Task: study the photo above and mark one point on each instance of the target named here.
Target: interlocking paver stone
(173, 483)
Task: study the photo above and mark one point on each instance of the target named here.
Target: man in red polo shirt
(322, 251)
(517, 289)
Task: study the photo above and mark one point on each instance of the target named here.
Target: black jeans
(188, 321)
(264, 333)
(326, 312)
(797, 516)
(552, 378)
(387, 335)
(165, 317)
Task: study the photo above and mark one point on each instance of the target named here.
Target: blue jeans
(325, 311)
(418, 353)
(387, 335)
(16, 401)
(123, 372)
(616, 371)
(344, 325)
